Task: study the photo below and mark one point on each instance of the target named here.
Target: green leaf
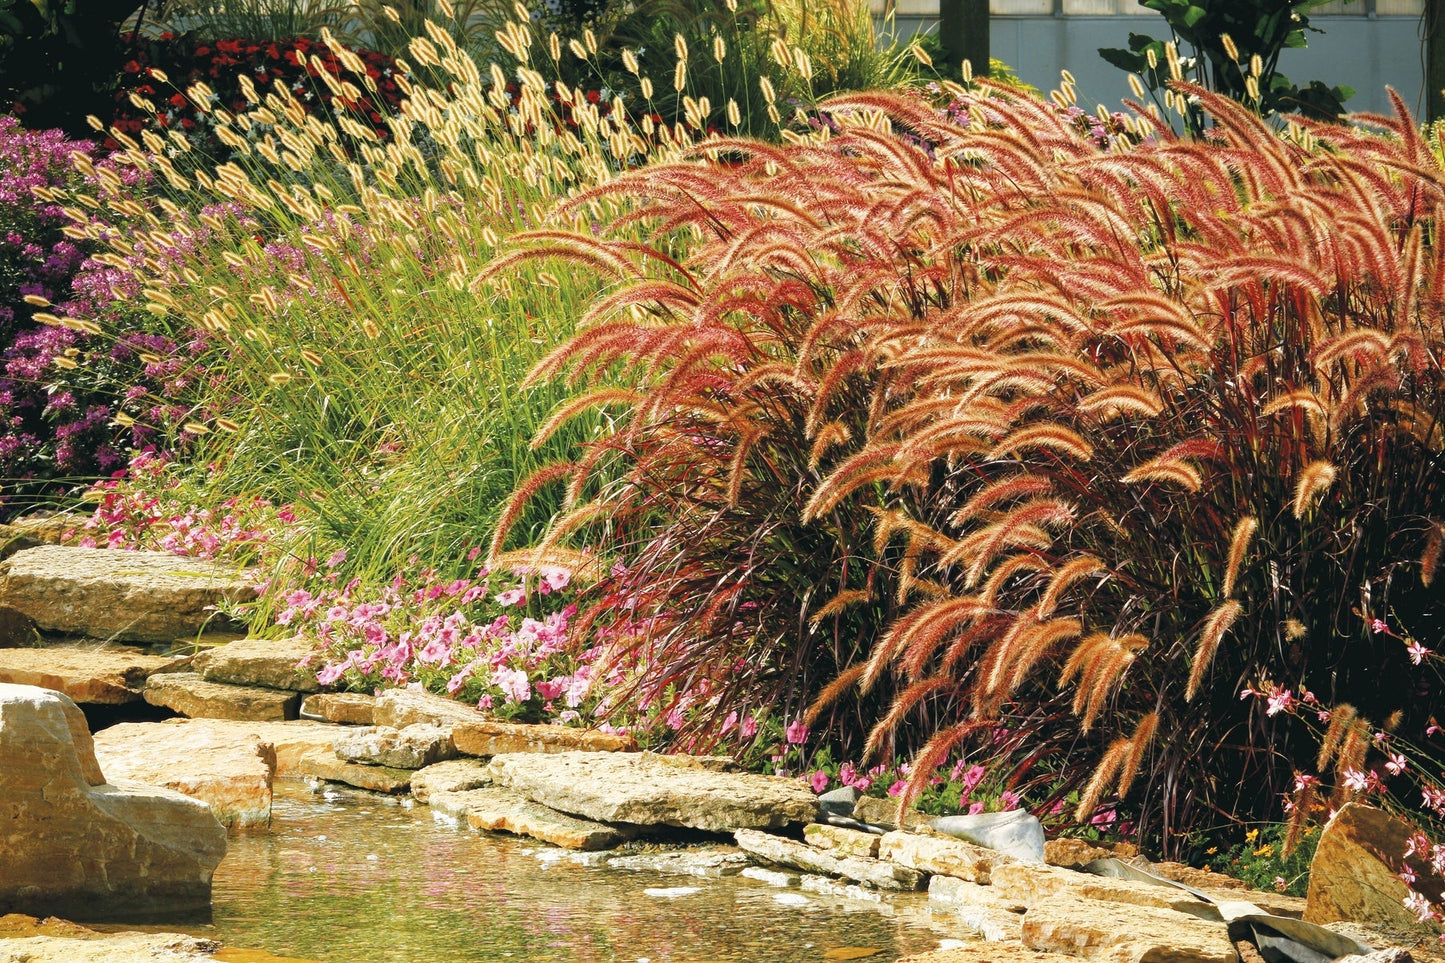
(1193, 15)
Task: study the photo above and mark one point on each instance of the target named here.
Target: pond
(357, 878)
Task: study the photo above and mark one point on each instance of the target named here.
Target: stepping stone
(110, 594)
(347, 708)
(944, 855)
(273, 663)
(191, 695)
(414, 747)
(639, 788)
(874, 873)
(496, 810)
(1095, 929)
(453, 775)
(109, 675)
(489, 738)
(977, 909)
(400, 708)
(78, 847)
(232, 772)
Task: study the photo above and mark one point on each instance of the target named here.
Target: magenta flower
(511, 597)
(796, 733)
(897, 788)
(748, 728)
(819, 781)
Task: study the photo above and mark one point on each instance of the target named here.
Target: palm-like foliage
(1009, 433)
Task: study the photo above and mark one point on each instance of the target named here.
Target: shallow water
(354, 878)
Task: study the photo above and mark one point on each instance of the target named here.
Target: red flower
(178, 100)
(132, 67)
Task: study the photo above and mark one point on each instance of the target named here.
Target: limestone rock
(838, 889)
(989, 953)
(191, 695)
(16, 628)
(324, 763)
(841, 841)
(232, 772)
(43, 528)
(710, 863)
(486, 737)
(110, 948)
(109, 594)
(414, 747)
(976, 908)
(294, 741)
(347, 708)
(1073, 853)
(72, 845)
(495, 810)
(884, 812)
(273, 663)
(943, 854)
(400, 708)
(617, 787)
(1035, 885)
(1354, 872)
(1198, 878)
(106, 675)
(452, 775)
(780, 878)
(1125, 934)
(705, 763)
(874, 873)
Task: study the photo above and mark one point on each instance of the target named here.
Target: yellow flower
(1251, 836)
(1266, 850)
(1211, 850)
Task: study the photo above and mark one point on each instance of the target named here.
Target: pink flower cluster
(449, 637)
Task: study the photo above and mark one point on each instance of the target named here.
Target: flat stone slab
(1035, 885)
(400, 708)
(709, 863)
(110, 675)
(452, 775)
(191, 695)
(415, 747)
(110, 594)
(326, 764)
(294, 742)
(497, 810)
(71, 844)
(992, 953)
(932, 853)
(639, 788)
(874, 873)
(493, 738)
(273, 663)
(347, 708)
(1125, 934)
(977, 909)
(232, 772)
(109, 948)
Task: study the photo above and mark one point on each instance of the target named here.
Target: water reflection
(355, 879)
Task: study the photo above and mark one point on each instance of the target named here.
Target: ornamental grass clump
(1020, 446)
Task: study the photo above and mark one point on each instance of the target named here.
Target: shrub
(1024, 445)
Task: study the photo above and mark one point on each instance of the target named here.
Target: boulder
(1125, 934)
(931, 853)
(841, 841)
(977, 909)
(104, 675)
(273, 663)
(400, 708)
(1035, 885)
(626, 787)
(324, 763)
(884, 812)
(232, 772)
(1073, 853)
(73, 845)
(874, 873)
(492, 738)
(108, 594)
(294, 741)
(414, 747)
(191, 695)
(452, 775)
(1355, 872)
(347, 708)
